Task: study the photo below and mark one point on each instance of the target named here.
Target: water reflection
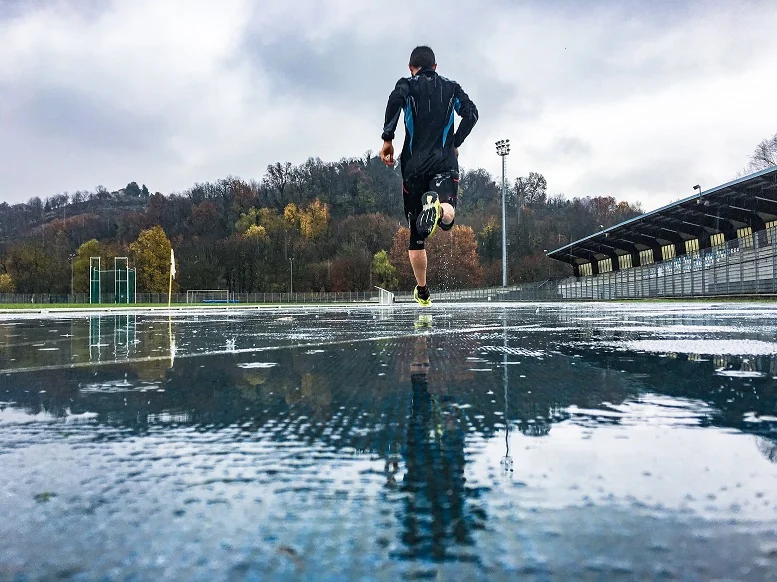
(419, 411)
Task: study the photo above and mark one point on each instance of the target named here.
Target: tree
(314, 219)
(6, 283)
(277, 179)
(90, 248)
(151, 256)
(478, 190)
(385, 273)
(531, 190)
(203, 218)
(132, 189)
(454, 259)
(453, 262)
(40, 264)
(765, 154)
(490, 241)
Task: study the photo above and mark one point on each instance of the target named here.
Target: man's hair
(421, 57)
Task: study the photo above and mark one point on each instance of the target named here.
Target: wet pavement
(486, 442)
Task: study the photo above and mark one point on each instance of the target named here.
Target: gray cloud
(629, 98)
(86, 122)
(653, 182)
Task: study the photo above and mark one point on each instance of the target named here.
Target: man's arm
(469, 115)
(396, 102)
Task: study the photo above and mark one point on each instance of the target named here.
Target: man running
(429, 159)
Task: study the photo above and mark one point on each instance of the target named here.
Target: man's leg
(448, 214)
(418, 262)
(412, 192)
(447, 185)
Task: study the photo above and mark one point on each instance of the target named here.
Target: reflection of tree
(767, 447)
(538, 428)
(435, 513)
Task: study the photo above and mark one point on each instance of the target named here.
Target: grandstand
(722, 241)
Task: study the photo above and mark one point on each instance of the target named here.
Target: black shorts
(446, 184)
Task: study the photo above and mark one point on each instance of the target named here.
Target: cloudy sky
(635, 99)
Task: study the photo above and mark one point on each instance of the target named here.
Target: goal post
(95, 292)
(207, 296)
(118, 285)
(121, 287)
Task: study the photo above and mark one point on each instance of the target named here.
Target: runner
(429, 159)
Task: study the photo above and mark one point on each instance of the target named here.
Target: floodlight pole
(291, 277)
(502, 150)
(71, 276)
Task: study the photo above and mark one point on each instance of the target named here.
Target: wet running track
(488, 442)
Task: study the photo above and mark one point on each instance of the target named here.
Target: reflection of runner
(435, 515)
(429, 155)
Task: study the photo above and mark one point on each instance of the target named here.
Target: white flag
(172, 263)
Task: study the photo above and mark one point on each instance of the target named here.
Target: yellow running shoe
(426, 223)
(422, 301)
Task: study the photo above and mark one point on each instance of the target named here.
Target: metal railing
(180, 298)
(538, 291)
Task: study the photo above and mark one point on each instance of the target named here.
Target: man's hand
(456, 151)
(387, 153)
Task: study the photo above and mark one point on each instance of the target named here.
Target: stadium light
(73, 256)
(502, 150)
(697, 187)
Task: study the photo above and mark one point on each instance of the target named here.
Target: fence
(743, 266)
(539, 291)
(177, 298)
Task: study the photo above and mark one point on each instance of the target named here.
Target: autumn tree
(314, 219)
(6, 283)
(453, 262)
(151, 256)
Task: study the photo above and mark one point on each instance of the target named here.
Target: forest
(338, 225)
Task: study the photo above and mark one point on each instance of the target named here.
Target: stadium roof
(747, 201)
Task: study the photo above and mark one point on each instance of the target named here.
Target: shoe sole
(430, 215)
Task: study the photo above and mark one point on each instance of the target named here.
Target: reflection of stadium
(722, 241)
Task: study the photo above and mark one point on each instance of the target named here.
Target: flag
(172, 264)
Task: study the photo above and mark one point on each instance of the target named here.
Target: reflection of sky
(659, 463)
(302, 432)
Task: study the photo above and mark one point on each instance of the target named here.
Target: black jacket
(429, 102)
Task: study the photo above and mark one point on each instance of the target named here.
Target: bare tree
(765, 154)
(277, 177)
